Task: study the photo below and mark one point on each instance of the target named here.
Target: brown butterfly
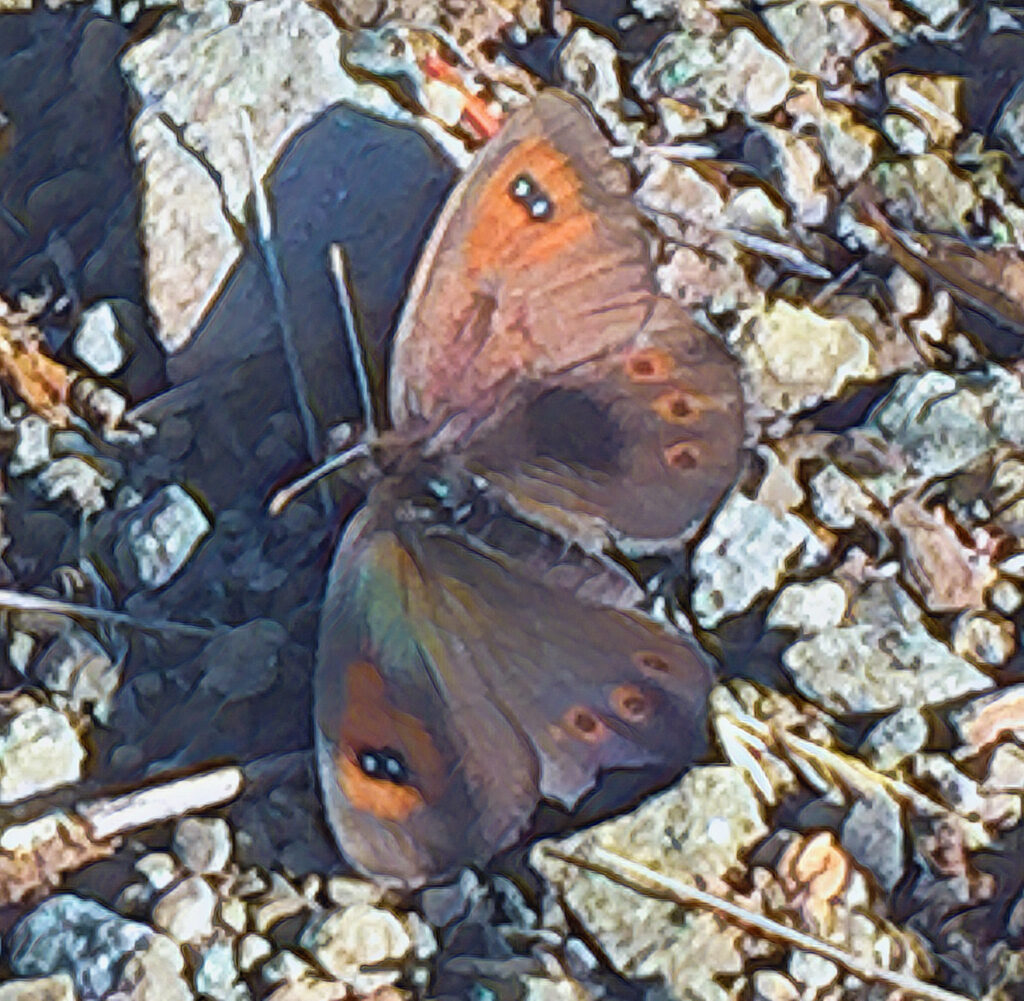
(459, 683)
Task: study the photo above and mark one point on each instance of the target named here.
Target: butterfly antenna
(355, 344)
(265, 240)
(287, 494)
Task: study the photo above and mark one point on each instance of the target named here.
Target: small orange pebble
(814, 872)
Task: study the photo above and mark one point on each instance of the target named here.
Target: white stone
(745, 554)
(808, 608)
(39, 750)
(32, 449)
(96, 342)
(186, 911)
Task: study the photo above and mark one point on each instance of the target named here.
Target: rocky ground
(836, 190)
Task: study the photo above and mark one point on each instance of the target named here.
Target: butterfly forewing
(538, 262)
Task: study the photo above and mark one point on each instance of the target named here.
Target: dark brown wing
(454, 691)
(639, 444)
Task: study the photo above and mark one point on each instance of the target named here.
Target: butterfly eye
(384, 764)
(650, 662)
(649, 366)
(584, 725)
(682, 455)
(630, 704)
(531, 197)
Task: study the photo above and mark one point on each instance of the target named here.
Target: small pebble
(68, 934)
(984, 639)
(202, 844)
(159, 868)
(32, 449)
(164, 533)
(186, 911)
(808, 608)
(233, 915)
(39, 750)
(97, 343)
(345, 941)
(253, 949)
(895, 739)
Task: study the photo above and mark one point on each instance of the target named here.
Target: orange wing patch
(649, 365)
(651, 662)
(371, 723)
(385, 800)
(505, 229)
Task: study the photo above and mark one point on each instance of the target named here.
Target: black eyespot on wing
(651, 662)
(532, 197)
(384, 764)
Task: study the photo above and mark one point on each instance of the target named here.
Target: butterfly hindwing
(455, 691)
(409, 788)
(639, 444)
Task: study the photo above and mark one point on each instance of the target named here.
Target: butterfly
(537, 372)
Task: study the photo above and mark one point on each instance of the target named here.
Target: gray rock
(32, 448)
(894, 739)
(943, 423)
(203, 844)
(252, 950)
(873, 834)
(700, 829)
(154, 973)
(745, 554)
(773, 985)
(199, 68)
(838, 500)
(795, 356)
(77, 479)
(79, 670)
(714, 78)
(1005, 770)
(872, 668)
(164, 533)
(885, 659)
(984, 638)
(938, 12)
(808, 608)
(817, 39)
(66, 934)
(351, 938)
(217, 976)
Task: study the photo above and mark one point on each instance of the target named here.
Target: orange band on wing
(385, 800)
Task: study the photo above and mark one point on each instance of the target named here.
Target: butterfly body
(464, 677)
